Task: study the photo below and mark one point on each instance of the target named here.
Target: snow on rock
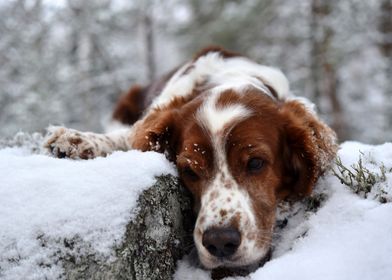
(46, 202)
(347, 237)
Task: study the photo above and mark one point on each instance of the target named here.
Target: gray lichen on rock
(158, 236)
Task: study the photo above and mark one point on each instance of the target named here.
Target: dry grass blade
(358, 177)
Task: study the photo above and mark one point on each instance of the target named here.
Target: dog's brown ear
(129, 107)
(308, 150)
(156, 132)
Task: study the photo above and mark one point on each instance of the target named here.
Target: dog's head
(239, 151)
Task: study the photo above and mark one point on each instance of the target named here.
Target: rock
(160, 234)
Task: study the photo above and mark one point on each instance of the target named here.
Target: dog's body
(240, 141)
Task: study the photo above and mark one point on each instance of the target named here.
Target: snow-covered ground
(43, 199)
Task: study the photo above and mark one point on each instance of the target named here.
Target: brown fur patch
(236, 220)
(223, 213)
(75, 141)
(130, 107)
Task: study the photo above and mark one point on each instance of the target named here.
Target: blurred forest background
(67, 61)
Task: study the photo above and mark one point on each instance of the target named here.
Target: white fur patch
(222, 74)
(224, 201)
(214, 118)
(219, 205)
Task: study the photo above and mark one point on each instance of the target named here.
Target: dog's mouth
(243, 261)
(232, 268)
(236, 262)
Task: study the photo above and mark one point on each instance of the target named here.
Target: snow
(348, 237)
(44, 200)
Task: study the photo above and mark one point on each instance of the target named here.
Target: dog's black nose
(221, 242)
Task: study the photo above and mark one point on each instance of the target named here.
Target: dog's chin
(220, 270)
(250, 263)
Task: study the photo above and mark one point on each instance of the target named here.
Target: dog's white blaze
(234, 202)
(222, 73)
(239, 203)
(214, 118)
(217, 121)
(224, 199)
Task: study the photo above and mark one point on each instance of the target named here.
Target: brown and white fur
(240, 140)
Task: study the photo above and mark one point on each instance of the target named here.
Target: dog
(240, 140)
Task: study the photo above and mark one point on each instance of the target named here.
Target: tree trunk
(148, 32)
(385, 46)
(385, 27)
(324, 76)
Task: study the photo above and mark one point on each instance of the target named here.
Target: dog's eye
(254, 165)
(190, 174)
